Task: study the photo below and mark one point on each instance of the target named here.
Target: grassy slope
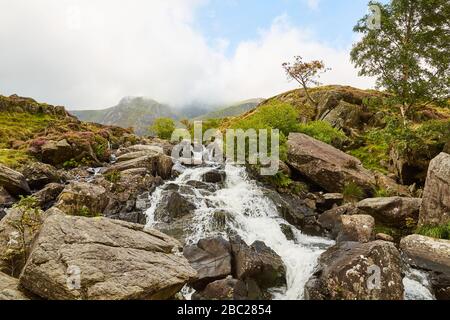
(233, 110)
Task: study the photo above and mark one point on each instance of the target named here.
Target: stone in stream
(358, 271)
(211, 258)
(214, 176)
(359, 228)
(78, 258)
(173, 206)
(257, 262)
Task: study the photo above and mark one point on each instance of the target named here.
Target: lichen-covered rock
(39, 174)
(427, 253)
(327, 166)
(344, 115)
(48, 195)
(359, 228)
(435, 208)
(393, 212)
(83, 199)
(13, 181)
(358, 271)
(77, 258)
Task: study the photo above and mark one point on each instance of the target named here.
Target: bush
(352, 192)
(324, 132)
(163, 128)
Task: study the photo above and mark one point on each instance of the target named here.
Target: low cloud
(90, 54)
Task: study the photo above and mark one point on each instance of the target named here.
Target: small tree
(163, 128)
(305, 73)
(409, 53)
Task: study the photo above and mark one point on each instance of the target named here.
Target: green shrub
(163, 128)
(70, 164)
(324, 132)
(113, 176)
(352, 192)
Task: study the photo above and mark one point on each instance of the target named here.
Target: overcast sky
(91, 53)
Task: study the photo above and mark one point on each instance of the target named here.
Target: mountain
(233, 110)
(136, 112)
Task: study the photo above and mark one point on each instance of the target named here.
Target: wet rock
(13, 182)
(394, 212)
(173, 206)
(114, 259)
(211, 258)
(201, 185)
(230, 289)
(83, 199)
(440, 283)
(38, 175)
(357, 228)
(427, 253)
(178, 229)
(327, 166)
(435, 208)
(214, 176)
(257, 262)
(348, 271)
(220, 220)
(287, 231)
(9, 288)
(48, 195)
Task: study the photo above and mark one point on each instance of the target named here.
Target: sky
(88, 54)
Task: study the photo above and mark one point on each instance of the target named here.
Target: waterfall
(255, 217)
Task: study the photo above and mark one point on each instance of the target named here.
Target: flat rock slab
(77, 258)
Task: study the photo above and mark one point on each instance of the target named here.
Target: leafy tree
(305, 73)
(163, 128)
(409, 54)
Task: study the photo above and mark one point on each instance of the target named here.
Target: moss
(14, 158)
(113, 176)
(373, 156)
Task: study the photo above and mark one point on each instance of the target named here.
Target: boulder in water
(230, 289)
(211, 258)
(358, 271)
(173, 206)
(257, 262)
(214, 176)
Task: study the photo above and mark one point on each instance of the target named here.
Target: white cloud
(90, 54)
(313, 4)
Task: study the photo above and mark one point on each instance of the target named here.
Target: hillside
(233, 110)
(136, 112)
(363, 123)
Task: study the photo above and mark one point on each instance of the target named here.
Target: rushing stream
(255, 217)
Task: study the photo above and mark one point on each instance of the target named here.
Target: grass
(438, 232)
(14, 158)
(352, 192)
(21, 126)
(372, 156)
(324, 132)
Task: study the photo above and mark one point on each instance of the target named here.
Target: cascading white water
(255, 217)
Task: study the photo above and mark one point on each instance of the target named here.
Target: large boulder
(211, 258)
(214, 176)
(83, 199)
(13, 181)
(56, 152)
(257, 262)
(435, 209)
(9, 288)
(17, 231)
(39, 174)
(393, 212)
(156, 163)
(358, 271)
(331, 220)
(327, 166)
(173, 206)
(427, 253)
(78, 258)
(359, 228)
